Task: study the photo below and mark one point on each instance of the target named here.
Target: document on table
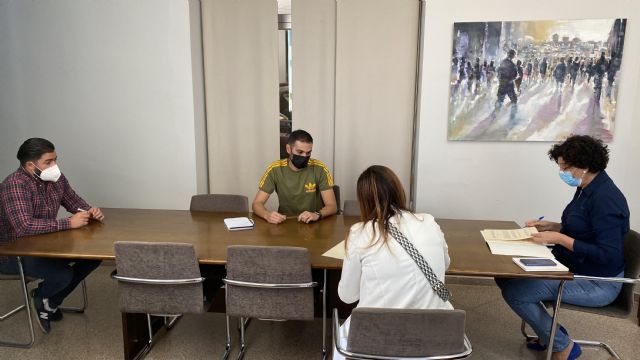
(519, 248)
(515, 242)
(508, 235)
(336, 252)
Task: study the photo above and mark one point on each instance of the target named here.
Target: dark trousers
(59, 276)
(506, 90)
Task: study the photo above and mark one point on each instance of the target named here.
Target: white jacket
(385, 276)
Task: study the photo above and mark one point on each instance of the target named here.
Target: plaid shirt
(29, 206)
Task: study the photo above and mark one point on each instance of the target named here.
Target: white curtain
(240, 46)
(313, 58)
(377, 42)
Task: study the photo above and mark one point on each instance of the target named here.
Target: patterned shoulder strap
(436, 284)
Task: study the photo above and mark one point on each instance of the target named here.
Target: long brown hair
(381, 196)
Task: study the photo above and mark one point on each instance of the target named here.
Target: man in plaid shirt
(30, 198)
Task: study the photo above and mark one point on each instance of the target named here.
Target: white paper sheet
(519, 249)
(508, 234)
(336, 252)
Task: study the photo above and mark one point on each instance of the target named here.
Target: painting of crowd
(523, 81)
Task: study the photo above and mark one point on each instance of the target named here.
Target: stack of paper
(515, 242)
(238, 223)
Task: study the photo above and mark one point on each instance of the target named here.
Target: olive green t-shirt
(297, 191)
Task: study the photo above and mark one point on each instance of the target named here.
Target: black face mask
(300, 161)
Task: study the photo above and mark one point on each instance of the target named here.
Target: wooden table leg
(134, 334)
(333, 300)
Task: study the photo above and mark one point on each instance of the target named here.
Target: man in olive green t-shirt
(303, 185)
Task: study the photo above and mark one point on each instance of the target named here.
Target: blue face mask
(569, 179)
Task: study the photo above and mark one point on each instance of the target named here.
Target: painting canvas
(535, 80)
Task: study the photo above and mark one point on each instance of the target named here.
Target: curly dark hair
(582, 151)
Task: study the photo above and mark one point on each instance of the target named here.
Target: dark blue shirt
(597, 219)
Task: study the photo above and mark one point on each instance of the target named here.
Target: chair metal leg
(324, 315)
(11, 313)
(174, 319)
(242, 344)
(587, 343)
(554, 322)
(85, 302)
(599, 344)
(247, 321)
(556, 308)
(228, 347)
(25, 296)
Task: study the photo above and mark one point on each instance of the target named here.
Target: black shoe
(42, 315)
(55, 315)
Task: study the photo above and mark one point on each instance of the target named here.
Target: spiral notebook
(239, 223)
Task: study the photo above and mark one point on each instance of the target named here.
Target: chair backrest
(624, 300)
(336, 192)
(351, 208)
(158, 261)
(269, 265)
(220, 203)
(406, 332)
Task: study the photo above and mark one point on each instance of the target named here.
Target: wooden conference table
(469, 254)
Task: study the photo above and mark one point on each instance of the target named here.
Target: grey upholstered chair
(25, 305)
(377, 333)
(622, 306)
(159, 279)
(351, 208)
(219, 203)
(268, 283)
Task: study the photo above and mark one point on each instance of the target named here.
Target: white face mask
(49, 174)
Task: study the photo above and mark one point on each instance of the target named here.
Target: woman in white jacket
(377, 271)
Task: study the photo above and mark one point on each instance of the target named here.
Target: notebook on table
(239, 223)
(539, 264)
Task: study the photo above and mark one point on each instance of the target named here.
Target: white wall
(110, 83)
(513, 180)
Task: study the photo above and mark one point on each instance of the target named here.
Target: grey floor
(492, 328)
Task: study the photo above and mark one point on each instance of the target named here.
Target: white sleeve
(349, 286)
(445, 247)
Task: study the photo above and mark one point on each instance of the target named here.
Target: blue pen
(540, 218)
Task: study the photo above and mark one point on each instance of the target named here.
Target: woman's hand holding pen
(543, 225)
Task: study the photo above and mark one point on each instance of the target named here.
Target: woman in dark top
(589, 241)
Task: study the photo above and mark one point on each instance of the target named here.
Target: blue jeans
(60, 276)
(524, 297)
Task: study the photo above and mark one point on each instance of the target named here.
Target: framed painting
(535, 80)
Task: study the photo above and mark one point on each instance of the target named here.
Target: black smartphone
(537, 262)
